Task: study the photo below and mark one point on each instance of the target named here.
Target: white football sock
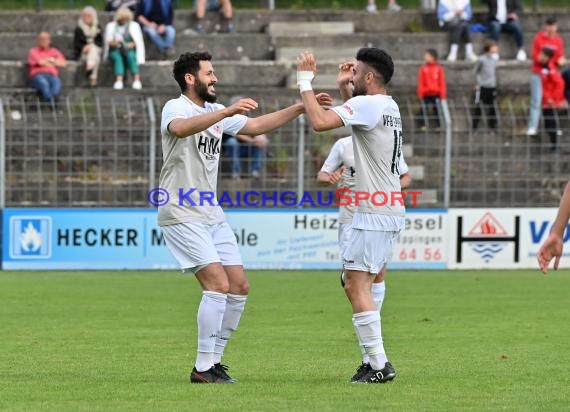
(469, 49)
(367, 326)
(365, 358)
(234, 308)
(378, 291)
(210, 315)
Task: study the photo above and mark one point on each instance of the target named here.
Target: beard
(358, 90)
(202, 92)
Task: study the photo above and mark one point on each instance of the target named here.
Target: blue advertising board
(131, 239)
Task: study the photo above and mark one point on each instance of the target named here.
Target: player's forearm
(563, 215)
(323, 178)
(314, 111)
(405, 180)
(186, 127)
(345, 91)
(271, 121)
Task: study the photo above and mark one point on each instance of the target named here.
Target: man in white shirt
(377, 139)
(338, 170)
(193, 224)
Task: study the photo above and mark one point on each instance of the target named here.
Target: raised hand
(306, 62)
(242, 106)
(345, 73)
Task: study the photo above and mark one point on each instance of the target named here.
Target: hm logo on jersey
(210, 147)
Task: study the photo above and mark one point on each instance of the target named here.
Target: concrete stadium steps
(512, 77)
(260, 46)
(246, 21)
(401, 46)
(158, 74)
(248, 46)
(255, 21)
(240, 76)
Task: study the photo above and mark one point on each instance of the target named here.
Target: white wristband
(304, 79)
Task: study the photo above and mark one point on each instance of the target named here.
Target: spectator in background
(486, 84)
(504, 17)
(253, 149)
(44, 63)
(431, 87)
(155, 18)
(546, 38)
(566, 77)
(124, 46)
(88, 43)
(114, 5)
(453, 16)
(392, 6)
(552, 95)
(222, 6)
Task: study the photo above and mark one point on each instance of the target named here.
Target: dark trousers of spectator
(47, 85)
(458, 31)
(551, 126)
(429, 110)
(485, 102)
(512, 27)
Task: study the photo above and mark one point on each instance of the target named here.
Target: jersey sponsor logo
(348, 109)
(209, 147)
(391, 121)
(30, 237)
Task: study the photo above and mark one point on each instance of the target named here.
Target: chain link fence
(106, 152)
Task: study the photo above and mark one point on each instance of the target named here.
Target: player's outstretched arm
(321, 119)
(552, 246)
(196, 124)
(271, 121)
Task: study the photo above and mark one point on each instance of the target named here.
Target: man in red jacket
(431, 87)
(547, 38)
(552, 95)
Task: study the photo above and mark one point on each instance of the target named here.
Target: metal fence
(106, 151)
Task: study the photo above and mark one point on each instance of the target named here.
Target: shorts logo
(30, 237)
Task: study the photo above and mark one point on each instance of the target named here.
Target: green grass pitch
(125, 341)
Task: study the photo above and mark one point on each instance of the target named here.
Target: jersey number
(397, 153)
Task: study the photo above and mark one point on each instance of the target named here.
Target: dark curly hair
(188, 63)
(378, 60)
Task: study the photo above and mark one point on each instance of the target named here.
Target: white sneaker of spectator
(394, 7)
(472, 57)
(118, 85)
(137, 85)
(531, 131)
(371, 8)
(521, 55)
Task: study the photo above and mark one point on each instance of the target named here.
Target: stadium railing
(98, 151)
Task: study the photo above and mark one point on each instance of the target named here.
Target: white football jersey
(342, 154)
(191, 164)
(377, 141)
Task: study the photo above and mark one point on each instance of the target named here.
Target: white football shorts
(196, 245)
(367, 250)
